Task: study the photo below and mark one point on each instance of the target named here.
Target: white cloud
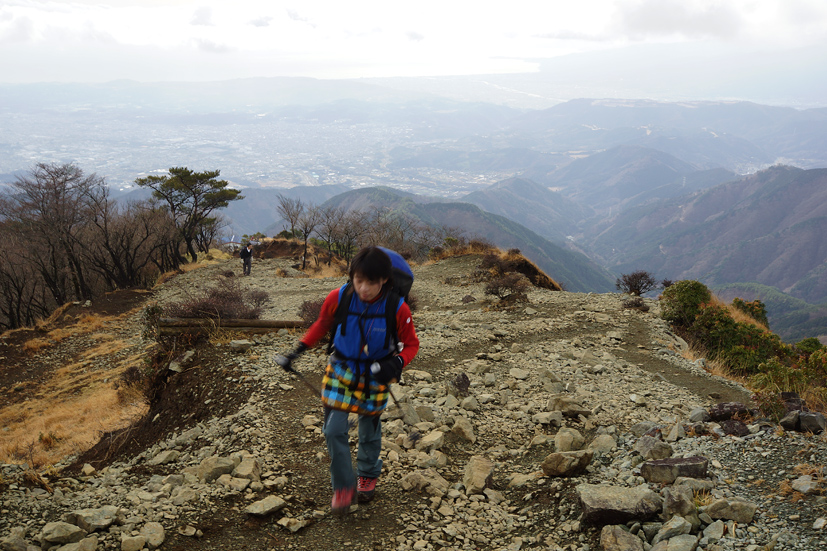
(212, 47)
(653, 18)
(331, 38)
(261, 21)
(202, 16)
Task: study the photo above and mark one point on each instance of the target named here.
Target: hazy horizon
(208, 40)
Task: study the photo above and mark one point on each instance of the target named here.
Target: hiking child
(366, 358)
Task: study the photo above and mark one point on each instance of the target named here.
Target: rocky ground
(537, 426)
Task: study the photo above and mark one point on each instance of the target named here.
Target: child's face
(367, 289)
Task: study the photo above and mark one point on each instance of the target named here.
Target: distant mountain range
(767, 228)
(571, 269)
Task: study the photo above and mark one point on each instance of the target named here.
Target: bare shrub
(412, 301)
(511, 285)
(309, 311)
(637, 283)
(224, 300)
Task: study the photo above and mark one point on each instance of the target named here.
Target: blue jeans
(368, 462)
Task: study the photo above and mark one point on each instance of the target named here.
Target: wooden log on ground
(177, 326)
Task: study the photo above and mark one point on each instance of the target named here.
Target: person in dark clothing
(246, 255)
(363, 365)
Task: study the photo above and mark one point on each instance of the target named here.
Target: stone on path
(62, 532)
(266, 506)
(602, 504)
(566, 464)
(615, 538)
(478, 474)
(666, 471)
(737, 509)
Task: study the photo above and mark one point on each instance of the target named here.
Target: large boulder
(604, 504)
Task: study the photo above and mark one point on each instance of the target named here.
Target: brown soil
(21, 372)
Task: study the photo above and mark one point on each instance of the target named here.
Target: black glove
(286, 361)
(388, 370)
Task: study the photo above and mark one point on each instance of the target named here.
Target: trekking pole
(286, 363)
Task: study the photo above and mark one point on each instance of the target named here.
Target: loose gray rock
(478, 475)
(737, 509)
(568, 439)
(676, 526)
(266, 506)
(604, 504)
(464, 429)
(652, 448)
(615, 538)
(567, 464)
(62, 532)
(212, 467)
(166, 456)
(568, 406)
(132, 543)
(667, 471)
(242, 345)
(154, 534)
(93, 520)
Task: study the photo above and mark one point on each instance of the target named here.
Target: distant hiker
(246, 255)
(370, 346)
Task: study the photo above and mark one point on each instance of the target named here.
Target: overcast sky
(164, 40)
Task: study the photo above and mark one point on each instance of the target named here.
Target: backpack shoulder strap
(340, 317)
(391, 307)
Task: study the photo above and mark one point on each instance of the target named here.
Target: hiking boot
(342, 498)
(365, 487)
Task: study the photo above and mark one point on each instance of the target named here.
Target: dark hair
(371, 263)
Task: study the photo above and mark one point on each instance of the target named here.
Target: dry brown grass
(324, 271)
(43, 325)
(738, 315)
(76, 404)
(35, 345)
(50, 428)
(714, 367)
(213, 257)
(474, 247)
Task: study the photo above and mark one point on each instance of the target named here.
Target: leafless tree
(306, 224)
(329, 228)
(49, 208)
(291, 210)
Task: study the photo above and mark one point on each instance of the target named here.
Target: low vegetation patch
(737, 337)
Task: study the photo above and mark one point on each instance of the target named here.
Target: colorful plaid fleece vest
(347, 384)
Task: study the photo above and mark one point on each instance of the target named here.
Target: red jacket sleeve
(322, 326)
(407, 334)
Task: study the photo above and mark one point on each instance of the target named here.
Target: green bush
(808, 346)
(774, 375)
(754, 309)
(681, 302)
(815, 367)
(743, 346)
